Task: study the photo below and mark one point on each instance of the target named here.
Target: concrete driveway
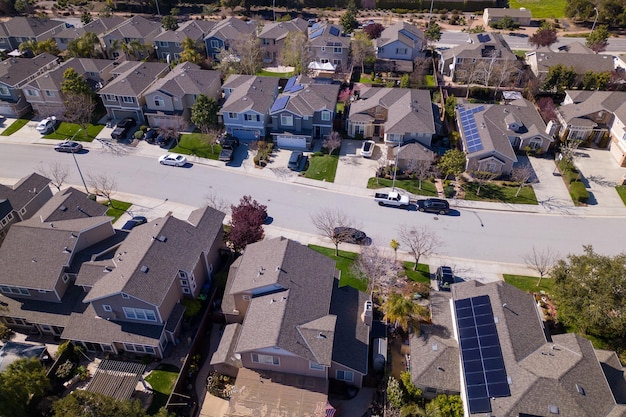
(601, 174)
(354, 170)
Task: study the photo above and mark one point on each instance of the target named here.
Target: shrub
(571, 175)
(579, 192)
(64, 370)
(192, 307)
(448, 191)
(5, 333)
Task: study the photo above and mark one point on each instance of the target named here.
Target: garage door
(245, 134)
(292, 142)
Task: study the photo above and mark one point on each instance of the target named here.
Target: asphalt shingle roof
(133, 78)
(14, 72)
(280, 30)
(98, 26)
(192, 29)
(31, 27)
(310, 99)
(186, 78)
(251, 93)
(232, 29)
(24, 190)
(585, 103)
(578, 56)
(70, 204)
(398, 32)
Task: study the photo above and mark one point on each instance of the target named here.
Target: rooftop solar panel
(334, 31)
(280, 103)
(290, 82)
(316, 33)
(316, 25)
(468, 123)
(296, 88)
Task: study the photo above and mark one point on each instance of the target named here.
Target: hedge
(579, 192)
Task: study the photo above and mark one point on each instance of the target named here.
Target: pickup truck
(393, 198)
(229, 145)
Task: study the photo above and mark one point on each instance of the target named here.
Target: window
(316, 366)
(252, 117)
(186, 290)
(139, 314)
(232, 115)
(149, 349)
(215, 44)
(246, 297)
(164, 44)
(10, 215)
(324, 61)
(65, 278)
(337, 50)
(326, 115)
(128, 99)
(4, 91)
(401, 51)
(43, 291)
(4, 222)
(50, 93)
(323, 49)
(125, 296)
(158, 101)
(286, 119)
(107, 348)
(22, 211)
(535, 143)
(14, 290)
(184, 282)
(337, 62)
(109, 97)
(107, 307)
(116, 55)
(265, 359)
(265, 41)
(345, 376)
(32, 93)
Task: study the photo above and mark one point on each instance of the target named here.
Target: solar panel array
(280, 103)
(290, 82)
(316, 33)
(468, 123)
(295, 88)
(483, 37)
(483, 365)
(334, 31)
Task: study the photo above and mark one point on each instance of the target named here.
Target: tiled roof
(479, 43)
(228, 341)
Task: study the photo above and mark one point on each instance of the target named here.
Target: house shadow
(240, 155)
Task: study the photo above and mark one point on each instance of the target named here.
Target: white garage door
(292, 142)
(245, 134)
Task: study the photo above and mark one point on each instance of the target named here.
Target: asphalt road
(481, 234)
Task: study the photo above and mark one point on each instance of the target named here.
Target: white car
(46, 125)
(173, 159)
(367, 149)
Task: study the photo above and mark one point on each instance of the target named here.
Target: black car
(349, 235)
(150, 135)
(229, 145)
(68, 146)
(295, 159)
(445, 278)
(165, 140)
(122, 128)
(135, 221)
(433, 205)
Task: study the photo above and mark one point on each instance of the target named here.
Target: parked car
(349, 235)
(122, 128)
(367, 149)
(433, 205)
(445, 278)
(295, 160)
(68, 146)
(47, 125)
(165, 140)
(150, 135)
(173, 159)
(393, 198)
(135, 221)
(229, 145)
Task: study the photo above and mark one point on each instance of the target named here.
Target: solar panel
(468, 123)
(290, 83)
(316, 25)
(483, 37)
(316, 33)
(296, 88)
(483, 365)
(280, 103)
(334, 31)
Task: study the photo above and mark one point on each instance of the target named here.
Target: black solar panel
(483, 365)
(470, 130)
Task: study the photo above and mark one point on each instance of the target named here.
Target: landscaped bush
(579, 192)
(448, 191)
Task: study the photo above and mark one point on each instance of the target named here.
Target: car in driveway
(173, 159)
(123, 127)
(165, 140)
(433, 205)
(68, 146)
(295, 160)
(367, 149)
(349, 235)
(444, 277)
(135, 221)
(229, 146)
(150, 135)
(47, 125)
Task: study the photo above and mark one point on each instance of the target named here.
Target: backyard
(162, 381)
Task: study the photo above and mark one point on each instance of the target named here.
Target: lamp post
(430, 14)
(395, 169)
(157, 6)
(594, 20)
(77, 166)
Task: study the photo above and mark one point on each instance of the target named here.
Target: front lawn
(322, 167)
(410, 186)
(421, 275)
(117, 208)
(529, 284)
(541, 9)
(621, 190)
(66, 131)
(162, 382)
(15, 126)
(343, 263)
(199, 145)
(500, 193)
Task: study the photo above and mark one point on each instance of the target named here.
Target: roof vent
(553, 409)
(144, 269)
(73, 235)
(321, 335)
(63, 208)
(580, 389)
(162, 238)
(439, 368)
(278, 268)
(283, 298)
(272, 301)
(108, 269)
(66, 250)
(52, 225)
(435, 347)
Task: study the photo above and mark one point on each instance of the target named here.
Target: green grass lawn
(15, 126)
(117, 209)
(421, 275)
(367, 79)
(199, 145)
(322, 168)
(67, 131)
(429, 81)
(500, 193)
(621, 190)
(340, 107)
(275, 74)
(162, 382)
(343, 262)
(410, 186)
(529, 284)
(541, 9)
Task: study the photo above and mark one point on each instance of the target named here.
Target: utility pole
(77, 166)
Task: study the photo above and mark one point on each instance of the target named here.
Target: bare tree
(216, 202)
(375, 268)
(541, 261)
(504, 72)
(482, 178)
(421, 168)
(56, 172)
(569, 149)
(79, 109)
(419, 241)
(327, 220)
(332, 142)
(521, 175)
(104, 186)
(383, 162)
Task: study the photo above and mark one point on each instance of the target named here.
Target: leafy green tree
(230, 4)
(84, 46)
(405, 81)
(348, 19)
(19, 383)
(169, 22)
(295, 52)
(191, 51)
(82, 403)
(433, 33)
(450, 107)
(411, 390)
(452, 163)
(204, 113)
(5, 333)
(545, 36)
(447, 405)
(395, 394)
(559, 78)
(73, 82)
(588, 289)
(579, 9)
(49, 46)
(361, 48)
(597, 40)
(506, 23)
(78, 98)
(85, 18)
(401, 311)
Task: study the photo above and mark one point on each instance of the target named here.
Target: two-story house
(124, 96)
(226, 33)
(398, 115)
(520, 16)
(272, 37)
(329, 45)
(46, 97)
(288, 315)
(22, 29)
(168, 44)
(98, 26)
(14, 74)
(302, 112)
(402, 42)
(246, 109)
(134, 32)
(170, 98)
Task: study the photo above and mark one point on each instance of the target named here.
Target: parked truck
(393, 198)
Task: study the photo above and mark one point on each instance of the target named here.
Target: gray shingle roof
(501, 12)
(330, 34)
(136, 27)
(69, 204)
(414, 151)
(232, 29)
(476, 47)
(398, 32)
(24, 190)
(186, 78)
(98, 26)
(312, 98)
(15, 72)
(133, 78)
(193, 29)
(578, 56)
(280, 30)
(53, 79)
(228, 341)
(31, 27)
(252, 93)
(584, 103)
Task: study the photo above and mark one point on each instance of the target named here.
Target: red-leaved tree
(246, 223)
(374, 30)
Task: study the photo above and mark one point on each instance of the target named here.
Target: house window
(246, 297)
(535, 143)
(107, 348)
(491, 167)
(65, 278)
(337, 62)
(252, 117)
(14, 290)
(43, 291)
(149, 349)
(125, 296)
(337, 50)
(345, 376)
(164, 44)
(184, 282)
(4, 91)
(32, 93)
(107, 307)
(186, 290)
(215, 44)
(23, 291)
(316, 366)
(128, 99)
(10, 215)
(109, 97)
(232, 115)
(401, 51)
(139, 314)
(4, 222)
(265, 359)
(50, 93)
(286, 119)
(324, 61)
(265, 41)
(158, 101)
(326, 115)
(323, 49)
(182, 274)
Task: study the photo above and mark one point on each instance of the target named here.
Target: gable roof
(280, 30)
(251, 93)
(579, 104)
(192, 29)
(305, 98)
(69, 204)
(501, 12)
(480, 46)
(575, 55)
(31, 27)
(404, 32)
(327, 34)
(185, 78)
(53, 79)
(15, 72)
(97, 26)
(24, 190)
(132, 78)
(136, 27)
(414, 151)
(232, 29)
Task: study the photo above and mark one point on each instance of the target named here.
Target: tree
(49, 45)
(395, 393)
(482, 178)
(84, 46)
(295, 52)
(420, 168)
(191, 51)
(73, 82)
(452, 162)
(506, 23)
(56, 172)
(597, 40)
(243, 57)
(85, 18)
(521, 175)
(419, 241)
(361, 49)
(332, 142)
(588, 289)
(246, 224)
(450, 107)
(81, 403)
(78, 98)
(169, 22)
(5, 333)
(595, 80)
(545, 36)
(103, 185)
(433, 32)
(547, 109)
(374, 30)
(373, 267)
(327, 220)
(541, 261)
(348, 19)
(204, 113)
(395, 245)
(19, 383)
(579, 9)
(559, 78)
(402, 311)
(447, 405)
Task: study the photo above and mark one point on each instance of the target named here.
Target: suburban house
(246, 109)
(411, 156)
(401, 44)
(520, 16)
(22, 29)
(575, 55)
(304, 111)
(98, 26)
(135, 32)
(168, 44)
(287, 317)
(329, 46)
(273, 35)
(398, 115)
(492, 133)
(590, 116)
(225, 33)
(15, 73)
(491, 338)
(124, 96)
(21, 201)
(45, 95)
(169, 99)
(473, 61)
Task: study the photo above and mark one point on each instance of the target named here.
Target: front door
(318, 131)
(377, 131)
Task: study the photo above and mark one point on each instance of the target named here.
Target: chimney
(367, 315)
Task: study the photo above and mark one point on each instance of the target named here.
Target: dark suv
(122, 128)
(433, 205)
(229, 145)
(445, 278)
